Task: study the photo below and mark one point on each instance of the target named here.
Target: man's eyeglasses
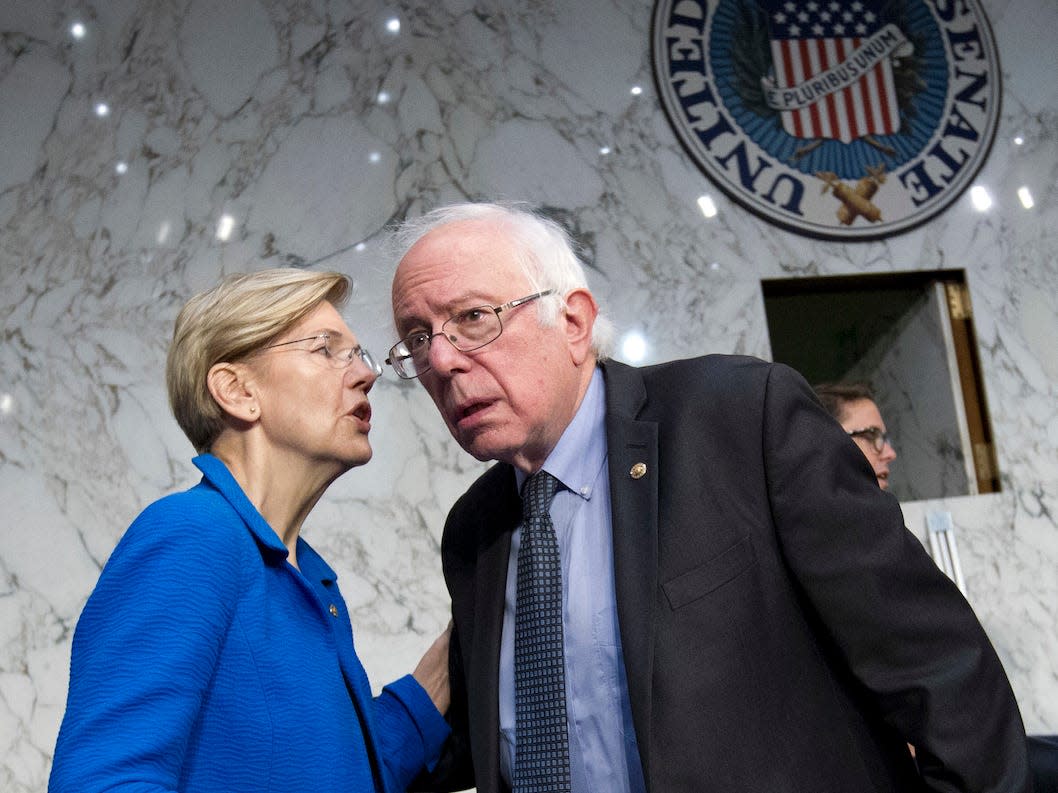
(336, 357)
(466, 331)
(874, 436)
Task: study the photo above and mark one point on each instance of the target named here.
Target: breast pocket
(711, 575)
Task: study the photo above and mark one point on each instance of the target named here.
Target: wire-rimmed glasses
(467, 331)
(336, 357)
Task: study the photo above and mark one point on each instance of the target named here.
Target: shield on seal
(833, 76)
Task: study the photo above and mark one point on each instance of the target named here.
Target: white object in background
(943, 548)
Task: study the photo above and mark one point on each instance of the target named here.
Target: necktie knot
(537, 493)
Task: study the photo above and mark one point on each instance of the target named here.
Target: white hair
(545, 253)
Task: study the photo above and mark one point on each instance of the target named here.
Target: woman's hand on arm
(432, 671)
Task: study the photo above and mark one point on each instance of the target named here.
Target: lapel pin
(638, 471)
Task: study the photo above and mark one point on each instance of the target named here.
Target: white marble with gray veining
(310, 125)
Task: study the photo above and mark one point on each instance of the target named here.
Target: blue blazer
(204, 662)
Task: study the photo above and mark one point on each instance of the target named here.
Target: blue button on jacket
(204, 662)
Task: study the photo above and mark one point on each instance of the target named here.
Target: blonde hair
(229, 322)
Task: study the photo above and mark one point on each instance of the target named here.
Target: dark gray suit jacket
(782, 630)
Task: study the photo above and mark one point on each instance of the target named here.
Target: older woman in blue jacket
(216, 652)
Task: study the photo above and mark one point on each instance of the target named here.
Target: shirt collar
(581, 451)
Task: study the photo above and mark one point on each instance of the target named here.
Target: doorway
(911, 337)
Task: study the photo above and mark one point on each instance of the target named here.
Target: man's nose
(445, 357)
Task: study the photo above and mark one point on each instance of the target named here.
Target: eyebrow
(337, 335)
(451, 308)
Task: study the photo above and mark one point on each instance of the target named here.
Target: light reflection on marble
(269, 112)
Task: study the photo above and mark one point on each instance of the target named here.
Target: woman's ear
(230, 386)
(580, 312)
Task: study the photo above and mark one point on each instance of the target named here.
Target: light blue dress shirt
(602, 742)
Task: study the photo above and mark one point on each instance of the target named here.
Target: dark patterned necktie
(541, 759)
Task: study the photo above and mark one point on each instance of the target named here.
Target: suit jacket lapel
(632, 447)
(499, 520)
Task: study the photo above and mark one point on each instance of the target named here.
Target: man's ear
(231, 387)
(580, 312)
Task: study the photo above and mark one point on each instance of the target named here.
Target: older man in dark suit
(701, 586)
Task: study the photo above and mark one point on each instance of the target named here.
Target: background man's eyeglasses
(874, 436)
(466, 331)
(337, 358)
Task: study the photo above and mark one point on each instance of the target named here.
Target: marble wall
(176, 140)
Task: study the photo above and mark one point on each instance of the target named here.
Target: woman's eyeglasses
(336, 357)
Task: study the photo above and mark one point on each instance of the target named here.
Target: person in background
(699, 588)
(216, 653)
(853, 405)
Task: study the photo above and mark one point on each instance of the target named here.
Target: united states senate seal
(840, 120)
